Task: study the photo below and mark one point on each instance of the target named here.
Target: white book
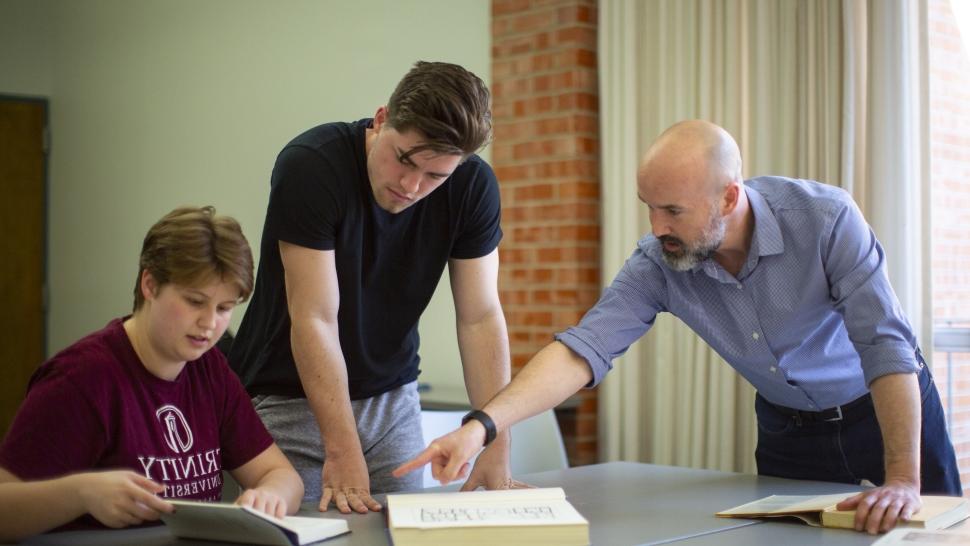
(920, 537)
(507, 517)
(242, 524)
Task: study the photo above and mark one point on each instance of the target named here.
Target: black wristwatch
(486, 422)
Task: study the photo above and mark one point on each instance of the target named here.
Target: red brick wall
(546, 156)
(950, 186)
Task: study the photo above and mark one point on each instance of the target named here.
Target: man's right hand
(449, 454)
(347, 484)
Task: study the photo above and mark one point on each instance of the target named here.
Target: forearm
(323, 373)
(29, 508)
(896, 398)
(484, 349)
(553, 374)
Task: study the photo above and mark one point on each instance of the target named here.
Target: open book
(937, 512)
(919, 537)
(507, 517)
(245, 525)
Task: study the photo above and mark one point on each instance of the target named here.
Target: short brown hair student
(363, 218)
(144, 409)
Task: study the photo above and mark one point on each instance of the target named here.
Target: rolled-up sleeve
(856, 266)
(624, 312)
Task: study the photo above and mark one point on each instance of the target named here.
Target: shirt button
(755, 336)
(740, 286)
(773, 369)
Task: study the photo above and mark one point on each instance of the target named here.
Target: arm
(624, 312)
(861, 292)
(483, 343)
(897, 401)
(116, 499)
(270, 483)
(549, 378)
(313, 299)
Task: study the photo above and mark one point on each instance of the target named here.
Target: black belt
(845, 412)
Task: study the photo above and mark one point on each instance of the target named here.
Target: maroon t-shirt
(95, 406)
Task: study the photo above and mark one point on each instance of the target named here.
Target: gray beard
(693, 254)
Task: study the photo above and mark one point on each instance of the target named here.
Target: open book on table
(245, 525)
(937, 513)
(922, 537)
(507, 517)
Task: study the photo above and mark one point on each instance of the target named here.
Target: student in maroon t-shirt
(145, 410)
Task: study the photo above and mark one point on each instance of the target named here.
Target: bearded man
(787, 282)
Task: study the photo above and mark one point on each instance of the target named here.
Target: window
(949, 109)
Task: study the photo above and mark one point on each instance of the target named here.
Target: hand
(879, 509)
(264, 501)
(121, 498)
(449, 454)
(346, 482)
(491, 469)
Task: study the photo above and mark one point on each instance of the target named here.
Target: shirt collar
(766, 239)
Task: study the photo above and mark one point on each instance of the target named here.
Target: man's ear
(380, 118)
(149, 286)
(732, 194)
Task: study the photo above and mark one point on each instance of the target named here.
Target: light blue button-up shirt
(810, 320)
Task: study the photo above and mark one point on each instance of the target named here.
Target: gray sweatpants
(389, 426)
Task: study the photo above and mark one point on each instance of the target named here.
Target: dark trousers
(796, 445)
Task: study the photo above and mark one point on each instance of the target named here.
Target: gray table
(626, 504)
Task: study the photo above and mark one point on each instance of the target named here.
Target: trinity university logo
(178, 435)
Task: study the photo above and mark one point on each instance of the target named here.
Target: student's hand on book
(347, 483)
(121, 498)
(265, 501)
(879, 509)
(449, 454)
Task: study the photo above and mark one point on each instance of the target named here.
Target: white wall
(160, 103)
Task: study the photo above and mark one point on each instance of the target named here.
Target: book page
(540, 493)
(918, 537)
(786, 504)
(483, 508)
(243, 524)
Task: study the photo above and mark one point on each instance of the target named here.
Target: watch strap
(485, 420)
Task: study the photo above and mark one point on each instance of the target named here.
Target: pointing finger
(422, 459)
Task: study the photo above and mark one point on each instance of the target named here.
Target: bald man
(787, 282)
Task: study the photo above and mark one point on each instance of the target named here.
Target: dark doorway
(24, 141)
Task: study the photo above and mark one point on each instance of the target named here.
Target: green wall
(160, 103)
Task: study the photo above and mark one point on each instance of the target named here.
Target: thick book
(937, 512)
(245, 525)
(507, 517)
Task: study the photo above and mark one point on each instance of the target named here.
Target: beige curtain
(886, 141)
(770, 73)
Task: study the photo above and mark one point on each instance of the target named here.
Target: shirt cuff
(888, 358)
(579, 343)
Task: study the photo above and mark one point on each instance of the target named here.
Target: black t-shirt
(388, 265)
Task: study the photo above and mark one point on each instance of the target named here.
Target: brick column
(546, 156)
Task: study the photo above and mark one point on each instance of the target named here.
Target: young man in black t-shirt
(362, 219)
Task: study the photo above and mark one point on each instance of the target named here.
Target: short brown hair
(447, 104)
(190, 245)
